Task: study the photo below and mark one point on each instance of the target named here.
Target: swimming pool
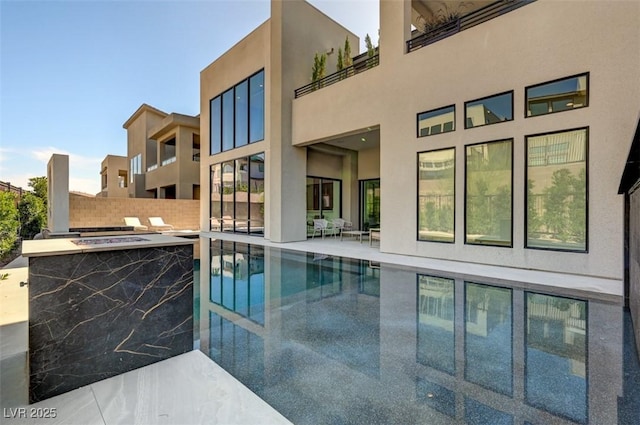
(330, 340)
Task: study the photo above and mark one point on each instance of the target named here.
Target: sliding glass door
(323, 199)
(369, 204)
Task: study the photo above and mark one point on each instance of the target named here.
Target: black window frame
(466, 117)
(418, 135)
(526, 191)
(533, 86)
(234, 118)
(455, 159)
(512, 191)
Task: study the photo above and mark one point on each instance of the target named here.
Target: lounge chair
(159, 223)
(322, 226)
(135, 223)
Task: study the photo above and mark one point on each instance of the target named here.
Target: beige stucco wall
(95, 212)
(479, 62)
(369, 164)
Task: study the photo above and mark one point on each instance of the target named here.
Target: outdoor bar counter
(102, 306)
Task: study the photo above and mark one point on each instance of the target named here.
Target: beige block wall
(95, 212)
(480, 62)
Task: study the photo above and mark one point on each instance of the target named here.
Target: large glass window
(237, 195)
(227, 120)
(556, 356)
(489, 110)
(135, 166)
(488, 337)
(558, 95)
(436, 195)
(557, 190)
(242, 113)
(237, 115)
(216, 125)
(488, 188)
(437, 121)
(256, 107)
(323, 199)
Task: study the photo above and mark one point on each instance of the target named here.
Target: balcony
(361, 63)
(453, 24)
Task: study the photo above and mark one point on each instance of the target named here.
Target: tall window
(557, 190)
(489, 110)
(237, 115)
(135, 167)
(436, 195)
(558, 95)
(488, 187)
(256, 107)
(237, 195)
(216, 125)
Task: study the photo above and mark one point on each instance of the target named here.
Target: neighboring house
(163, 151)
(114, 177)
(496, 139)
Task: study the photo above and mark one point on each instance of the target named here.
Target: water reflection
(334, 340)
(556, 360)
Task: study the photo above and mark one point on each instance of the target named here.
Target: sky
(72, 72)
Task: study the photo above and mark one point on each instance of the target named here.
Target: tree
(319, 68)
(39, 185)
(339, 64)
(9, 223)
(348, 61)
(371, 51)
(33, 215)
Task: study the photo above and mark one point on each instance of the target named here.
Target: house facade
(163, 151)
(114, 177)
(483, 132)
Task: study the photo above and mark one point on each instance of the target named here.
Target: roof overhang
(631, 173)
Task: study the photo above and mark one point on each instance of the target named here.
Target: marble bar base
(94, 315)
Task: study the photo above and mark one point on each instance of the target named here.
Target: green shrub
(9, 223)
(33, 215)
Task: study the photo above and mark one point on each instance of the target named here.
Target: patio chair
(340, 224)
(135, 223)
(322, 226)
(159, 223)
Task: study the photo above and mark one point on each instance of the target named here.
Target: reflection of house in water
(436, 302)
(558, 326)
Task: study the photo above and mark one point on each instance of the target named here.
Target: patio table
(358, 233)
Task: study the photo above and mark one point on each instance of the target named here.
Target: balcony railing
(361, 63)
(464, 22)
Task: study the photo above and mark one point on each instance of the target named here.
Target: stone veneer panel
(99, 314)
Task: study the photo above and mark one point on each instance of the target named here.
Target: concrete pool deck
(174, 391)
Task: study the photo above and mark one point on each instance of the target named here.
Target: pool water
(330, 340)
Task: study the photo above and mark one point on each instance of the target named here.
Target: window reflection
(256, 107)
(436, 195)
(237, 278)
(489, 110)
(437, 121)
(488, 185)
(559, 95)
(488, 337)
(216, 125)
(557, 190)
(476, 413)
(242, 114)
(227, 120)
(436, 396)
(436, 323)
(556, 357)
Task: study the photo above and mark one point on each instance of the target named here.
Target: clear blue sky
(72, 72)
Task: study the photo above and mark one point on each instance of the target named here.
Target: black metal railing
(464, 22)
(361, 63)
